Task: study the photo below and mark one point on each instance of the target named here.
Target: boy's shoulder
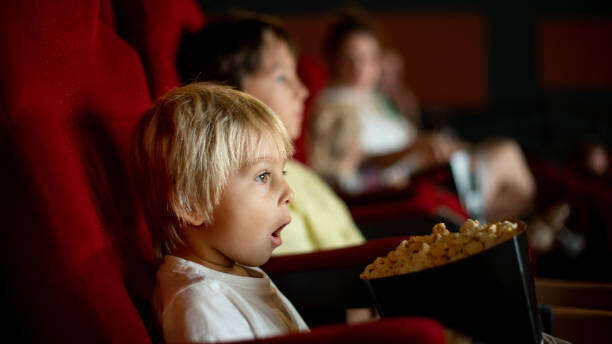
(188, 302)
(176, 275)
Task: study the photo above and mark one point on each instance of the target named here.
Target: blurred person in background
(591, 158)
(368, 81)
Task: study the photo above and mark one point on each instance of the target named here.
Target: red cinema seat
(313, 74)
(79, 264)
(154, 28)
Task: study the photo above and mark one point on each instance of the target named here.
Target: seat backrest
(77, 263)
(154, 28)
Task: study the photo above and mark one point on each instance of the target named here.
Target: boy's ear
(194, 219)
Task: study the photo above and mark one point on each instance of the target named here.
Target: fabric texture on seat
(313, 74)
(154, 29)
(79, 258)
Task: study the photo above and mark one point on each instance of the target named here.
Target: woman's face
(358, 62)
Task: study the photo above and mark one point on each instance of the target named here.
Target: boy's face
(277, 84)
(359, 61)
(250, 216)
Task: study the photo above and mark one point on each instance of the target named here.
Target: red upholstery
(424, 199)
(71, 92)
(590, 199)
(313, 74)
(563, 184)
(153, 28)
(388, 331)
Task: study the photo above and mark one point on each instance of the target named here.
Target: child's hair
(330, 137)
(189, 144)
(228, 49)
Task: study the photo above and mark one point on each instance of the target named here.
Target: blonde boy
(215, 198)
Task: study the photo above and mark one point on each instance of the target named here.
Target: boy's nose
(287, 196)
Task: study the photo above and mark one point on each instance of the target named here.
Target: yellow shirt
(320, 219)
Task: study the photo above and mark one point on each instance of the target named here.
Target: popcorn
(440, 247)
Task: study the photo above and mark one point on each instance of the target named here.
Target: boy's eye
(264, 177)
(281, 78)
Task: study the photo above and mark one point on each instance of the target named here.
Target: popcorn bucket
(489, 295)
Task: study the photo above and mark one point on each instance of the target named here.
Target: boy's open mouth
(276, 235)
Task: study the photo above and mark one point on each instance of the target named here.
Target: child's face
(358, 63)
(252, 211)
(277, 84)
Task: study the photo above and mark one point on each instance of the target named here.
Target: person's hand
(441, 147)
(435, 149)
(396, 178)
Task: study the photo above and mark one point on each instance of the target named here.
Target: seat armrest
(359, 255)
(590, 295)
(389, 331)
(579, 325)
(323, 284)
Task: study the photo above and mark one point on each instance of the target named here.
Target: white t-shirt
(382, 131)
(196, 304)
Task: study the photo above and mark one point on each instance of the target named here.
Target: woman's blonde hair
(332, 131)
(189, 144)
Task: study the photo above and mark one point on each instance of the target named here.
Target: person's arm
(385, 160)
(428, 150)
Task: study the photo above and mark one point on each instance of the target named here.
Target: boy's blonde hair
(189, 144)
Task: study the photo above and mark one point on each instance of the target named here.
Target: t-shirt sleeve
(203, 314)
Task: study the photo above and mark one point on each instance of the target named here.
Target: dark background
(537, 71)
